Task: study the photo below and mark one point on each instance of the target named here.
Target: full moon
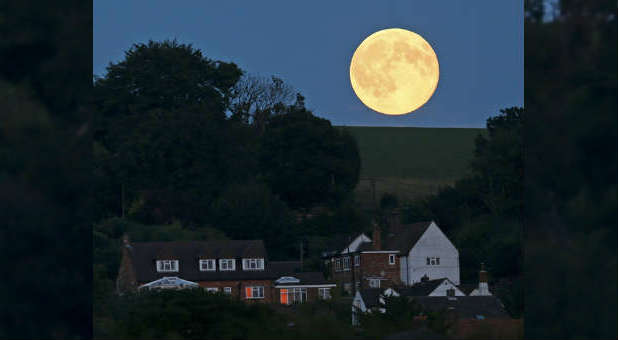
(394, 71)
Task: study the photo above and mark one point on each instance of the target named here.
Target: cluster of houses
(416, 261)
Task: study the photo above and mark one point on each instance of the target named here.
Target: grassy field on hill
(411, 162)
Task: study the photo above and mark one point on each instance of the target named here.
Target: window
(255, 292)
(374, 283)
(212, 289)
(346, 263)
(227, 290)
(347, 287)
(324, 293)
(338, 265)
(433, 261)
(167, 265)
(208, 265)
(289, 296)
(227, 264)
(357, 283)
(356, 260)
(253, 264)
(391, 259)
(450, 292)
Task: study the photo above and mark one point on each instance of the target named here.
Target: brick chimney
(377, 240)
(483, 286)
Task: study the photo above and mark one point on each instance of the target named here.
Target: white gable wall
(433, 243)
(443, 287)
(356, 243)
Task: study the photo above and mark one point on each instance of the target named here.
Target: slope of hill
(410, 162)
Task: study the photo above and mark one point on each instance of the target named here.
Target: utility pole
(301, 255)
(122, 198)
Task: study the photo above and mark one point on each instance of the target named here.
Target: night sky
(309, 45)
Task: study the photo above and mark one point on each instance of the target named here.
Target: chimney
(483, 289)
(377, 241)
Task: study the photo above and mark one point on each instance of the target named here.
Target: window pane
(428, 263)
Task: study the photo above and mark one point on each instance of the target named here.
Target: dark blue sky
(309, 44)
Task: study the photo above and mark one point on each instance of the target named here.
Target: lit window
(356, 260)
(167, 265)
(207, 265)
(227, 264)
(255, 292)
(391, 259)
(253, 264)
(227, 290)
(374, 283)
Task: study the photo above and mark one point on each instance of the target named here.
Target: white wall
(443, 287)
(356, 243)
(433, 243)
(403, 268)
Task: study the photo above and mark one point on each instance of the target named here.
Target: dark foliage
(306, 161)
(44, 169)
(570, 171)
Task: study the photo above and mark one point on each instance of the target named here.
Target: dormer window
(208, 265)
(227, 265)
(167, 265)
(253, 264)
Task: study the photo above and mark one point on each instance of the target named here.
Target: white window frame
(372, 283)
(211, 265)
(212, 289)
(391, 257)
(324, 293)
(338, 265)
(166, 266)
(356, 260)
(254, 289)
(226, 267)
(253, 264)
(346, 263)
(227, 290)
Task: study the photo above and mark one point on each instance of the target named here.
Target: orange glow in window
(248, 292)
(284, 296)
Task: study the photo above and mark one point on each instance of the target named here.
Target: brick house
(407, 255)
(239, 268)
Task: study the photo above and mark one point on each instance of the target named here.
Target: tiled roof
(307, 278)
(188, 253)
(371, 296)
(464, 306)
(284, 268)
(403, 237)
(420, 288)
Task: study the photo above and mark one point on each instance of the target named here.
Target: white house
(429, 253)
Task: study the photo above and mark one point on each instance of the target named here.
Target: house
(235, 267)
(437, 287)
(302, 287)
(239, 268)
(408, 254)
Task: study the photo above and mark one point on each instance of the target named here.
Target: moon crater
(394, 71)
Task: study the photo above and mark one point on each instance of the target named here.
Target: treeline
(482, 212)
(186, 147)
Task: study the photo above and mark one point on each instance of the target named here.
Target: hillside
(411, 162)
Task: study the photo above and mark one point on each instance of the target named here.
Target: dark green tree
(306, 161)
